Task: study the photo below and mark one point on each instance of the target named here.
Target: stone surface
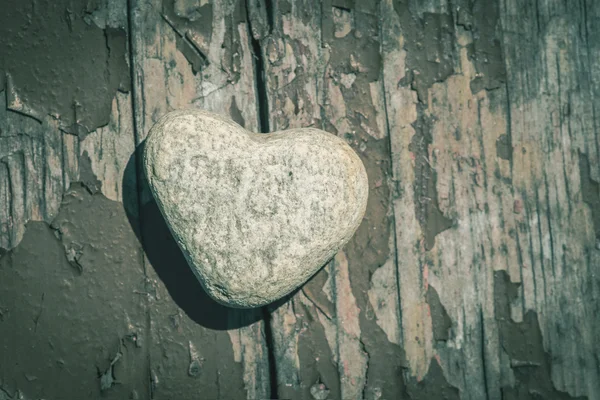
(256, 215)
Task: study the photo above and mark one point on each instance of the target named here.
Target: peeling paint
(523, 342)
(93, 307)
(191, 10)
(86, 174)
(319, 391)
(504, 148)
(383, 297)
(590, 192)
(285, 349)
(342, 22)
(353, 360)
(108, 150)
(433, 386)
(189, 44)
(236, 113)
(440, 320)
(56, 63)
(483, 20)
(429, 43)
(427, 209)
(195, 367)
(354, 109)
(108, 378)
(316, 357)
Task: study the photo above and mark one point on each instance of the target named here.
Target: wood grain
(474, 274)
(506, 173)
(72, 324)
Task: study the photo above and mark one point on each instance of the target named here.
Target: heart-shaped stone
(256, 215)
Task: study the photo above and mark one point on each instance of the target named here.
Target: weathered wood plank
(443, 141)
(370, 359)
(485, 155)
(194, 54)
(49, 144)
(322, 68)
(33, 171)
(71, 322)
(554, 132)
(290, 50)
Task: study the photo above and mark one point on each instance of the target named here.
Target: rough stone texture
(255, 215)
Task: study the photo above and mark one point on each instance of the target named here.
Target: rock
(256, 215)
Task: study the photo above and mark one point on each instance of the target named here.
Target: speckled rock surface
(256, 215)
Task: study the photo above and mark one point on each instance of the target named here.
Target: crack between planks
(270, 353)
(259, 71)
(394, 183)
(262, 109)
(483, 356)
(135, 93)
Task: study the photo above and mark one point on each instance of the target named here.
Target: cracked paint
(56, 63)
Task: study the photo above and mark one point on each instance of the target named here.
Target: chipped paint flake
(352, 358)
(383, 296)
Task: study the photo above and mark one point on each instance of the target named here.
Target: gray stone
(256, 215)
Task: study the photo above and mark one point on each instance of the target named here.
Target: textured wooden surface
(476, 271)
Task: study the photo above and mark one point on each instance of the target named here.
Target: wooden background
(476, 271)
